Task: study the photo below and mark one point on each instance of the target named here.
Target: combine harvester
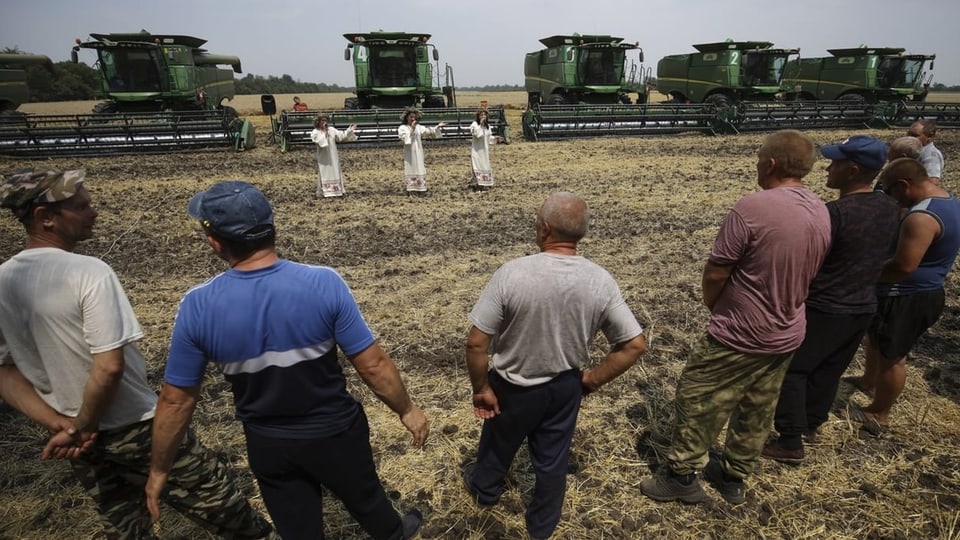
(393, 70)
(165, 94)
(13, 80)
(896, 83)
(742, 79)
(581, 86)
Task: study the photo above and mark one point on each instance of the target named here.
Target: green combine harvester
(743, 80)
(393, 70)
(582, 86)
(164, 94)
(896, 83)
(13, 79)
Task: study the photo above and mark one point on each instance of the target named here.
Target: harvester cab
(165, 94)
(393, 70)
(13, 79)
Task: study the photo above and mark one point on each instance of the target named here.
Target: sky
(484, 42)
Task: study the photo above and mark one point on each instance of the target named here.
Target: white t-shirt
(932, 160)
(58, 309)
(544, 311)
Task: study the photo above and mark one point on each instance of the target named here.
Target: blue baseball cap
(234, 210)
(864, 150)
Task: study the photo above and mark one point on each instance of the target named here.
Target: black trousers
(814, 374)
(545, 415)
(292, 473)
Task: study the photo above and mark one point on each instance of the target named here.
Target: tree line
(67, 81)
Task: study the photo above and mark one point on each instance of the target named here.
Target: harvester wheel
(721, 101)
(853, 99)
(105, 107)
(351, 103)
(229, 113)
(556, 99)
(433, 102)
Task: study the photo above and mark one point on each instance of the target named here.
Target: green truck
(587, 69)
(866, 74)
(13, 78)
(724, 73)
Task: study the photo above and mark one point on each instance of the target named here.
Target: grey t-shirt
(544, 311)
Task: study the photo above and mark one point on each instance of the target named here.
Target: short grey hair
(567, 215)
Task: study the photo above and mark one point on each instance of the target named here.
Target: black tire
(556, 99)
(351, 103)
(106, 107)
(721, 101)
(229, 113)
(853, 99)
(434, 102)
(624, 99)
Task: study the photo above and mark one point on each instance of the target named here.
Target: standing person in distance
(541, 313)
(326, 137)
(480, 141)
(298, 105)
(930, 156)
(272, 327)
(411, 133)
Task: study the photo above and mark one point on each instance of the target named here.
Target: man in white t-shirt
(930, 156)
(69, 361)
(541, 313)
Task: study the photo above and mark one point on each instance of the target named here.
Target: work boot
(668, 486)
(731, 489)
(411, 522)
(776, 451)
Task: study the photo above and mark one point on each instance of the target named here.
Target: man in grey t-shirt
(541, 313)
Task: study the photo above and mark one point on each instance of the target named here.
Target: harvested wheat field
(417, 265)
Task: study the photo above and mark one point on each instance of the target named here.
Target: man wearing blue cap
(842, 298)
(911, 295)
(272, 327)
(69, 361)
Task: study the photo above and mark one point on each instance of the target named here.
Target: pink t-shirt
(776, 240)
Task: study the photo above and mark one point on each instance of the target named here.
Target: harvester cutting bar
(770, 115)
(37, 136)
(380, 125)
(562, 121)
(947, 115)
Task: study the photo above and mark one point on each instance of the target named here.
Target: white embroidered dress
(330, 180)
(414, 171)
(480, 143)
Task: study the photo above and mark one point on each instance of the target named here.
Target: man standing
(272, 327)
(542, 313)
(911, 296)
(930, 156)
(769, 247)
(69, 361)
(904, 147)
(842, 298)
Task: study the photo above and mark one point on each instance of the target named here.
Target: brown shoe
(775, 451)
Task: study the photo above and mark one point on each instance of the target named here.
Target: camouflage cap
(24, 188)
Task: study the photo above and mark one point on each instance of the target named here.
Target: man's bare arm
(917, 232)
(715, 278)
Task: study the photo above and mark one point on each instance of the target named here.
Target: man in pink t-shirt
(756, 278)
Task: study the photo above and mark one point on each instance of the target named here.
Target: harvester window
(891, 73)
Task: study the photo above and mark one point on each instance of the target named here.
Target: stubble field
(416, 266)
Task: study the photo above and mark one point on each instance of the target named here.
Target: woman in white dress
(412, 135)
(326, 137)
(480, 143)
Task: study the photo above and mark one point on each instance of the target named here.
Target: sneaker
(411, 522)
(468, 484)
(775, 451)
(668, 487)
(730, 489)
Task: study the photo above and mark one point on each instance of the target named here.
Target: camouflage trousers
(720, 384)
(200, 486)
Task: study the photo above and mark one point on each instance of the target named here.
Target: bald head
(904, 147)
(567, 215)
(906, 169)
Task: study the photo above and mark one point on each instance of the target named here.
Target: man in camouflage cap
(69, 361)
